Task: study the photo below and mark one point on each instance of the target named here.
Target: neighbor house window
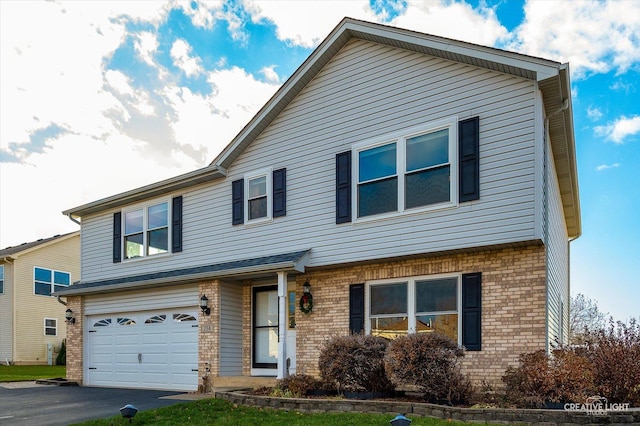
(258, 190)
(47, 281)
(1, 279)
(146, 230)
(406, 171)
(415, 305)
(50, 327)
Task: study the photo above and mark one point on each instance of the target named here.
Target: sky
(100, 97)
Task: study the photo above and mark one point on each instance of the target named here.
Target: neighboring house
(32, 322)
(416, 183)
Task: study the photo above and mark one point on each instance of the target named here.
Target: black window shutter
(471, 311)
(237, 201)
(117, 234)
(469, 159)
(343, 187)
(176, 224)
(356, 308)
(279, 192)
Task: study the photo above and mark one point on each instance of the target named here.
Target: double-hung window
(146, 230)
(47, 281)
(415, 305)
(407, 170)
(50, 327)
(258, 190)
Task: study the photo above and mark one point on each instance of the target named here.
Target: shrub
(566, 376)
(355, 363)
(298, 384)
(615, 355)
(430, 362)
(61, 359)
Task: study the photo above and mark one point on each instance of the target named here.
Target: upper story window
(1, 279)
(258, 199)
(47, 281)
(407, 171)
(146, 230)
(415, 305)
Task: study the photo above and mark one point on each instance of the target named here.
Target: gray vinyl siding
(557, 263)
(230, 330)
(365, 91)
(6, 315)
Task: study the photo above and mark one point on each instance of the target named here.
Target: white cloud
(270, 74)
(594, 113)
(620, 129)
(180, 51)
(453, 20)
(602, 167)
(593, 36)
(146, 45)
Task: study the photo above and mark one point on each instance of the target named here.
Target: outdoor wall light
(204, 305)
(68, 316)
(306, 287)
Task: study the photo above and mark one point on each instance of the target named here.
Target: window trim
(145, 229)
(52, 284)
(54, 327)
(411, 300)
(268, 174)
(400, 138)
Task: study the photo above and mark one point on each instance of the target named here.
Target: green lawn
(22, 373)
(224, 413)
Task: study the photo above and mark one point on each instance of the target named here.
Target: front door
(265, 329)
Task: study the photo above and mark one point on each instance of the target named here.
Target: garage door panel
(168, 350)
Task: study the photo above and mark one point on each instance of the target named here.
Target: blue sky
(100, 97)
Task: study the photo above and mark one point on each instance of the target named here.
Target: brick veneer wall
(209, 337)
(513, 305)
(75, 340)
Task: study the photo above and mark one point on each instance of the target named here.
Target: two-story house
(32, 322)
(410, 183)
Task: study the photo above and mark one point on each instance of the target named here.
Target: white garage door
(155, 350)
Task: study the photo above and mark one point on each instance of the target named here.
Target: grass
(24, 373)
(224, 413)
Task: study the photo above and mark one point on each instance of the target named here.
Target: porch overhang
(237, 269)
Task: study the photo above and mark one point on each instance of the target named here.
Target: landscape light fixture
(204, 305)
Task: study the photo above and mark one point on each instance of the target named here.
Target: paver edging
(475, 415)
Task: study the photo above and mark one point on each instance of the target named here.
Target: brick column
(209, 337)
(75, 340)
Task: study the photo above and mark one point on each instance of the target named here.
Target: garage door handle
(92, 368)
(194, 369)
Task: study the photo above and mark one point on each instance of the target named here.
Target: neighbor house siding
(6, 315)
(365, 91)
(31, 309)
(557, 242)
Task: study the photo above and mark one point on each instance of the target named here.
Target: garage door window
(156, 319)
(126, 321)
(183, 317)
(102, 323)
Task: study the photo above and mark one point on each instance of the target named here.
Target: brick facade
(513, 305)
(75, 340)
(209, 337)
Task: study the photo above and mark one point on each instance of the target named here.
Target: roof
(553, 78)
(24, 247)
(287, 261)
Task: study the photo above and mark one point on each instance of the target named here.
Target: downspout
(545, 199)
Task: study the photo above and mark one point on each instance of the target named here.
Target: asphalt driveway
(27, 403)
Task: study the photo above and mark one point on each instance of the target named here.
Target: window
(258, 204)
(415, 305)
(406, 171)
(47, 281)
(50, 327)
(1, 279)
(292, 310)
(259, 197)
(146, 231)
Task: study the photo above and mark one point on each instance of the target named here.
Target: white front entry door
(153, 350)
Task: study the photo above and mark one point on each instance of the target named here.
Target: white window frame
(145, 229)
(400, 138)
(54, 327)
(268, 174)
(52, 284)
(411, 300)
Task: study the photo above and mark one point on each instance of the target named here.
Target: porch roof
(244, 268)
